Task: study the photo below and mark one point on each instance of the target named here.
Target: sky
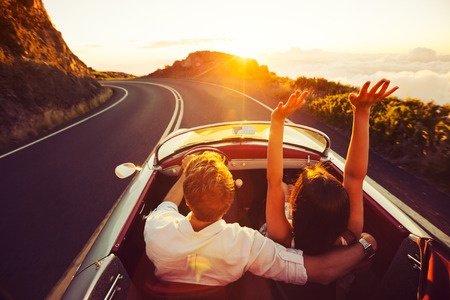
(351, 41)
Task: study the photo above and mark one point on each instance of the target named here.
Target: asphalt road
(57, 191)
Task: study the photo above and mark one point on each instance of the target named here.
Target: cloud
(422, 54)
(421, 73)
(183, 42)
(425, 84)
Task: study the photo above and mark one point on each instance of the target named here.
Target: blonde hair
(208, 187)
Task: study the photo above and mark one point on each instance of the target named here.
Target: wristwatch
(368, 249)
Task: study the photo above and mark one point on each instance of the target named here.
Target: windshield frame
(239, 137)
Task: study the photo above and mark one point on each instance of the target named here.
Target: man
(201, 248)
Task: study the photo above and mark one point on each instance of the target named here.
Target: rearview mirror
(125, 170)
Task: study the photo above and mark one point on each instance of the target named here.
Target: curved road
(56, 192)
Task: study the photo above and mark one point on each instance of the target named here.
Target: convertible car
(410, 263)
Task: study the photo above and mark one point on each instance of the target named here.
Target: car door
(106, 279)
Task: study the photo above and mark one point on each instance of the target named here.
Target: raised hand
(366, 98)
(295, 101)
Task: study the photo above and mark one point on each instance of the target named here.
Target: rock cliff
(38, 72)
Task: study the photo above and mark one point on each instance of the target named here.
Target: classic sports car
(409, 263)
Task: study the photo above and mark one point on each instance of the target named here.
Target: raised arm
(278, 227)
(358, 150)
(175, 193)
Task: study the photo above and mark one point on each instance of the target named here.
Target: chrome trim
(114, 288)
(416, 264)
(120, 212)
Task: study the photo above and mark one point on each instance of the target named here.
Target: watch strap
(368, 249)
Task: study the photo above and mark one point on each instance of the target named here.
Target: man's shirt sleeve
(165, 213)
(163, 208)
(269, 259)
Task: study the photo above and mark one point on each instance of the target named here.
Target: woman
(325, 212)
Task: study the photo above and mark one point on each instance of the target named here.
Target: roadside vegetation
(31, 124)
(411, 133)
(110, 75)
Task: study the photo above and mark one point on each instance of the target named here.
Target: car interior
(394, 273)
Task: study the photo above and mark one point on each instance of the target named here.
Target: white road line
(62, 284)
(241, 93)
(179, 106)
(70, 126)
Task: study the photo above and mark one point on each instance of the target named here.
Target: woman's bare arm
(358, 150)
(278, 227)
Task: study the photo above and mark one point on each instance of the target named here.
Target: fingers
(297, 97)
(364, 88)
(292, 96)
(372, 93)
(304, 95)
(301, 98)
(390, 91)
(377, 86)
(383, 88)
(295, 101)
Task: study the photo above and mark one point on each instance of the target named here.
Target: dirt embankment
(42, 83)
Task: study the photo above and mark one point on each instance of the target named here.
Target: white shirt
(216, 255)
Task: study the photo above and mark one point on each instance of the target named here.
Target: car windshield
(296, 135)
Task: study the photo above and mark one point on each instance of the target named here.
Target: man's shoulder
(166, 212)
(242, 231)
(166, 207)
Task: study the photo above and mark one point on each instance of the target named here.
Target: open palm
(296, 100)
(366, 98)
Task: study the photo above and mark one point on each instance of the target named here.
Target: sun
(245, 49)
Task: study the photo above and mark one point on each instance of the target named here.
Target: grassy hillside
(110, 75)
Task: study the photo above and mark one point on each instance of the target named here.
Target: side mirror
(125, 170)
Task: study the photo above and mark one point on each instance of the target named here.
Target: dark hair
(321, 210)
